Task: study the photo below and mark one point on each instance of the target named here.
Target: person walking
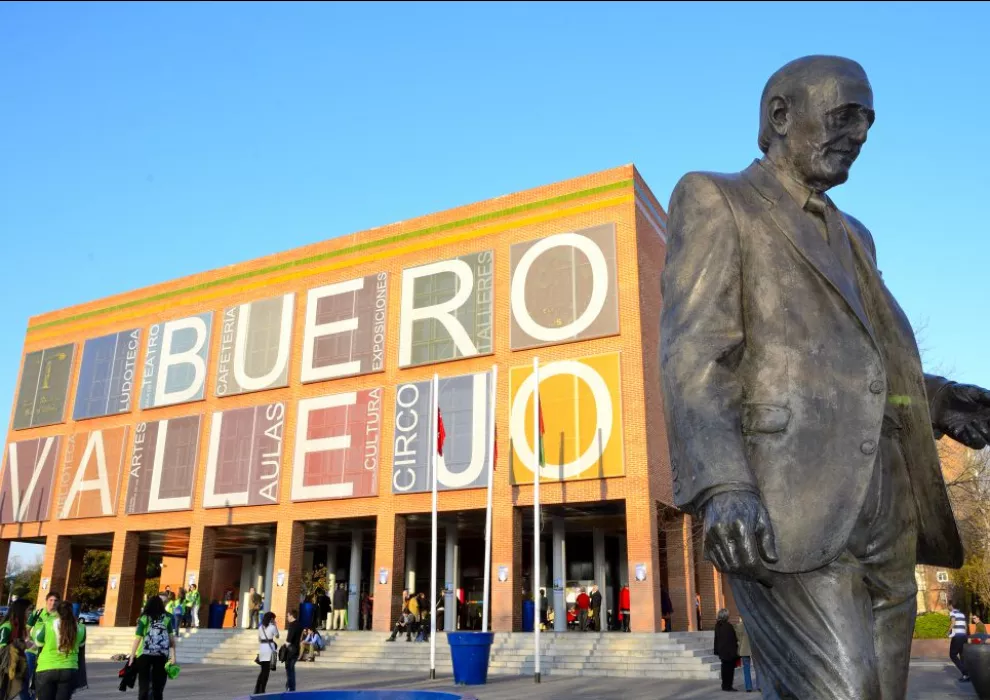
(749, 670)
(293, 645)
(583, 606)
(267, 634)
(254, 607)
(666, 609)
(179, 611)
(726, 648)
(153, 647)
(194, 600)
(59, 640)
(959, 632)
(38, 617)
(624, 608)
(14, 640)
(340, 607)
(366, 609)
(596, 609)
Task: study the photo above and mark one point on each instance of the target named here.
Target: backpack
(156, 638)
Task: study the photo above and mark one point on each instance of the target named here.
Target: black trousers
(626, 621)
(583, 619)
(956, 648)
(262, 683)
(843, 632)
(55, 685)
(596, 619)
(728, 673)
(151, 676)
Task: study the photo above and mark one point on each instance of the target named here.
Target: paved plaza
(929, 681)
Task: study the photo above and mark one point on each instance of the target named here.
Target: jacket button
(876, 386)
(868, 447)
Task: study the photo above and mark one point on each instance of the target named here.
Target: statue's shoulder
(858, 229)
(705, 185)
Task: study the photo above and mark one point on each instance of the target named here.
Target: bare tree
(967, 475)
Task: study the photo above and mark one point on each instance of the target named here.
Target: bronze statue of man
(801, 426)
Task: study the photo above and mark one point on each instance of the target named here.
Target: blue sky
(142, 142)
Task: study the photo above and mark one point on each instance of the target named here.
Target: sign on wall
(338, 446)
(564, 288)
(44, 387)
(254, 346)
(163, 465)
(345, 327)
(446, 310)
(93, 464)
(107, 374)
(582, 417)
(175, 362)
(245, 456)
(465, 404)
(28, 476)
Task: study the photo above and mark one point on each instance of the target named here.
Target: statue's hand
(962, 412)
(738, 535)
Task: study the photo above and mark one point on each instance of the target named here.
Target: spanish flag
(543, 430)
(441, 433)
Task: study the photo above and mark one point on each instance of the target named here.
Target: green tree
(969, 491)
(22, 580)
(91, 592)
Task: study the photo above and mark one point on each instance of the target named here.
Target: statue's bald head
(805, 112)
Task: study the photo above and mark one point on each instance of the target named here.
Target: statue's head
(814, 116)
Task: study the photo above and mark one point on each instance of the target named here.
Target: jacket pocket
(764, 418)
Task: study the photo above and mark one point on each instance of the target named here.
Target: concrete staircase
(685, 655)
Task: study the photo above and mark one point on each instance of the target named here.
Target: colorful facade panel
(93, 465)
(446, 310)
(44, 387)
(345, 329)
(564, 288)
(28, 476)
(245, 457)
(254, 346)
(582, 416)
(465, 404)
(175, 362)
(107, 375)
(338, 446)
(163, 465)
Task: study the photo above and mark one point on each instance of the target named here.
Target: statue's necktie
(817, 207)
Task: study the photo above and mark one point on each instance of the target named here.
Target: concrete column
(390, 545)
(507, 548)
(411, 567)
(200, 560)
(598, 547)
(269, 584)
(287, 556)
(559, 575)
(680, 572)
(451, 577)
(250, 568)
(354, 580)
(331, 568)
(123, 565)
(623, 562)
(55, 568)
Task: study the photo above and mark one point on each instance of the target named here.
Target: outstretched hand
(738, 535)
(962, 411)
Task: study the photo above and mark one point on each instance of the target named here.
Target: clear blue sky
(141, 142)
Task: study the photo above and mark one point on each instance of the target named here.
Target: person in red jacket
(583, 606)
(624, 608)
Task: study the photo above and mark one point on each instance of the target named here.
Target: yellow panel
(582, 416)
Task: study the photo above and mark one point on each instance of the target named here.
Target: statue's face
(827, 131)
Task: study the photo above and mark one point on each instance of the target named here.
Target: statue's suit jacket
(776, 374)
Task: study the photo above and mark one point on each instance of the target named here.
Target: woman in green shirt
(59, 639)
(153, 645)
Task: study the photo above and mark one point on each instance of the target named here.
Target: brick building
(256, 422)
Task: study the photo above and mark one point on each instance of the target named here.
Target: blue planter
(307, 612)
(529, 613)
(361, 695)
(217, 613)
(469, 652)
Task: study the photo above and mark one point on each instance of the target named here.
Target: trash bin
(217, 613)
(76, 609)
(469, 653)
(306, 613)
(529, 610)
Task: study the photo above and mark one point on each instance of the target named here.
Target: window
(942, 576)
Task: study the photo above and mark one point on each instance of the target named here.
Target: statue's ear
(779, 114)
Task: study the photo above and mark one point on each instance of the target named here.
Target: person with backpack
(59, 640)
(153, 645)
(267, 651)
(14, 640)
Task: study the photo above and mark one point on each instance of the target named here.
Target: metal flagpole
(536, 515)
(488, 506)
(435, 412)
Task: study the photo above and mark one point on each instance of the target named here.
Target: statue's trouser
(844, 632)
